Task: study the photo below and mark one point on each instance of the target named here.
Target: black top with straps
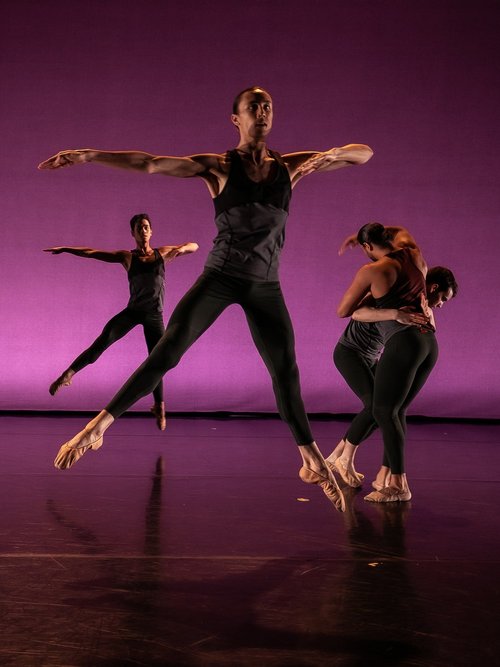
(250, 219)
(146, 283)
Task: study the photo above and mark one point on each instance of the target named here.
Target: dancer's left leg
(273, 335)
(153, 331)
(405, 365)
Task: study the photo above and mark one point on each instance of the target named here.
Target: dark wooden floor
(201, 547)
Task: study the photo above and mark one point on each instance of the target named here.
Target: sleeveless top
(146, 283)
(364, 338)
(406, 291)
(250, 218)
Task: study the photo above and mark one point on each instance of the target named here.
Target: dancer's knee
(170, 349)
(385, 414)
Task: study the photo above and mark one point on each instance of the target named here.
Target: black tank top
(250, 219)
(406, 291)
(146, 283)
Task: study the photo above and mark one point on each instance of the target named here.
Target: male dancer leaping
(251, 188)
(145, 268)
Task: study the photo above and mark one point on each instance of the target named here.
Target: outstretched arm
(305, 162)
(115, 256)
(182, 167)
(170, 252)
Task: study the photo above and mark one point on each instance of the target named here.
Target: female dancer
(146, 276)
(356, 355)
(251, 189)
(395, 279)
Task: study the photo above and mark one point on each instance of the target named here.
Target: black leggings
(117, 327)
(360, 376)
(271, 330)
(406, 363)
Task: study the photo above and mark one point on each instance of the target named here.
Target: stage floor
(200, 546)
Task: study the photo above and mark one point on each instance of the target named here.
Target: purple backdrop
(417, 81)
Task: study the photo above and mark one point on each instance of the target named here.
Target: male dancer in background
(145, 267)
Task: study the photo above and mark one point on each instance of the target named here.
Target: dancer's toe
(329, 485)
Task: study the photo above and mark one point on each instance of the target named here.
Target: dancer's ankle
(312, 458)
(337, 452)
(399, 482)
(100, 423)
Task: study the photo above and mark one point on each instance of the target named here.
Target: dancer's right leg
(359, 375)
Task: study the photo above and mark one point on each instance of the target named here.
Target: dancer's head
(375, 240)
(441, 286)
(253, 113)
(140, 227)
(138, 217)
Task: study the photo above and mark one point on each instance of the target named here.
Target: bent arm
(170, 252)
(369, 314)
(400, 238)
(356, 292)
(306, 162)
(115, 256)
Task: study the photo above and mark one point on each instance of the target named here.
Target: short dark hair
(252, 89)
(374, 233)
(443, 278)
(137, 218)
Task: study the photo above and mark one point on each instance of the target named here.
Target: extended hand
(54, 251)
(65, 159)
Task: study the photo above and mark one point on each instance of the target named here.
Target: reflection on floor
(200, 546)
